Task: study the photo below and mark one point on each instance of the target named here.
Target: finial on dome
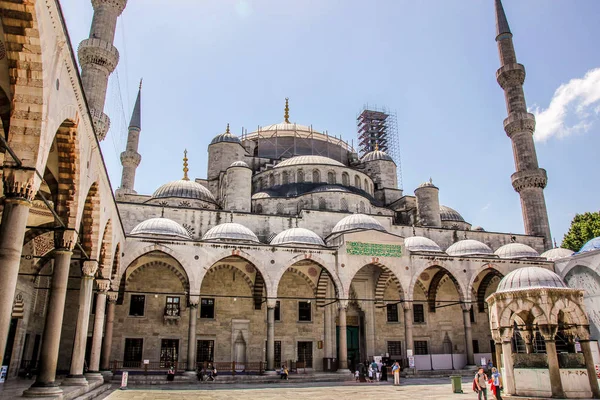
(430, 180)
(465, 236)
(555, 246)
(227, 130)
(414, 231)
(376, 146)
(286, 114)
(162, 212)
(185, 166)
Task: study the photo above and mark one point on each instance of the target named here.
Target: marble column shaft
(468, 336)
(589, 365)
(408, 327)
(343, 344)
(508, 378)
(553, 368)
(108, 331)
(191, 356)
(270, 338)
(99, 315)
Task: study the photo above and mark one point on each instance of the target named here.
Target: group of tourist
(377, 371)
(481, 382)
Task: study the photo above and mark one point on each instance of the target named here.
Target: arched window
(316, 176)
(357, 181)
(271, 180)
(322, 204)
(277, 179)
(345, 179)
(259, 209)
(285, 177)
(366, 185)
(280, 208)
(344, 205)
(361, 207)
(331, 177)
(300, 176)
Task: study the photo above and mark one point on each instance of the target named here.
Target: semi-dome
(530, 278)
(239, 164)
(421, 243)
(357, 221)
(557, 253)
(469, 247)
(303, 160)
(516, 250)
(298, 236)
(376, 155)
(184, 189)
(449, 214)
(160, 226)
(591, 245)
(230, 231)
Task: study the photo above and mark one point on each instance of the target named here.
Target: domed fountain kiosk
(532, 310)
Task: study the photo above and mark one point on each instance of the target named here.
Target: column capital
(271, 303)
(65, 239)
(343, 305)
(407, 306)
(111, 297)
(89, 268)
(466, 307)
(193, 301)
(20, 183)
(103, 285)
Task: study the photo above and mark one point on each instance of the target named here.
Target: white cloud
(486, 207)
(573, 108)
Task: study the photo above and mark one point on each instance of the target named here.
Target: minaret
(130, 158)
(99, 58)
(529, 180)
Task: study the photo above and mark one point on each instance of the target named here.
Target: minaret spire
(529, 180)
(99, 58)
(185, 165)
(130, 158)
(286, 111)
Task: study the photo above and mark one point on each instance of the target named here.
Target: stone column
(408, 327)
(75, 377)
(553, 367)
(12, 231)
(468, 335)
(108, 331)
(343, 344)
(271, 304)
(508, 376)
(528, 338)
(44, 384)
(498, 349)
(94, 369)
(589, 365)
(191, 356)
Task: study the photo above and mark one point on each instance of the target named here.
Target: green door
(352, 340)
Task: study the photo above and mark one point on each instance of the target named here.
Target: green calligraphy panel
(374, 249)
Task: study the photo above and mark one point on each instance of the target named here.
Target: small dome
(427, 184)
(160, 226)
(184, 189)
(530, 278)
(298, 236)
(357, 221)
(302, 160)
(591, 245)
(516, 250)
(478, 229)
(376, 155)
(261, 195)
(557, 253)
(230, 231)
(226, 137)
(239, 164)
(449, 214)
(421, 243)
(469, 247)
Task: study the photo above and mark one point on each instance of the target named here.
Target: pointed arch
(68, 179)
(90, 222)
(318, 261)
(116, 265)
(484, 285)
(437, 281)
(385, 278)
(105, 257)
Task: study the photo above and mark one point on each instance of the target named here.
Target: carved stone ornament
(529, 179)
(193, 301)
(112, 296)
(20, 184)
(519, 122)
(119, 5)
(510, 75)
(103, 284)
(89, 268)
(65, 239)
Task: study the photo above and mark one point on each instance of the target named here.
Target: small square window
(394, 348)
(472, 315)
(304, 311)
(207, 308)
(418, 314)
(136, 305)
(172, 308)
(278, 311)
(421, 347)
(392, 313)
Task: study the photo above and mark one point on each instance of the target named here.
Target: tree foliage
(584, 227)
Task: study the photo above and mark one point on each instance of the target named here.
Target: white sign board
(409, 353)
(3, 372)
(411, 362)
(577, 347)
(124, 380)
(483, 362)
(146, 361)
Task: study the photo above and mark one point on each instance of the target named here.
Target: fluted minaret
(529, 180)
(130, 158)
(99, 58)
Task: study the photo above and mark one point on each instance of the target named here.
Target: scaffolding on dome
(377, 128)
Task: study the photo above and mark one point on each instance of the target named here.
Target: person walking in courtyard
(284, 372)
(481, 383)
(396, 373)
(496, 383)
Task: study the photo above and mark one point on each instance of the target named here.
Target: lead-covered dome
(421, 243)
(449, 214)
(530, 278)
(357, 221)
(591, 245)
(160, 226)
(469, 247)
(303, 160)
(184, 189)
(230, 231)
(557, 254)
(239, 164)
(298, 236)
(376, 155)
(516, 250)
(226, 137)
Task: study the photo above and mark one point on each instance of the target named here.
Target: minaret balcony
(101, 123)
(130, 157)
(531, 178)
(99, 53)
(510, 75)
(519, 122)
(118, 5)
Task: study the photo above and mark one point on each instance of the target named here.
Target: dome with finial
(376, 155)
(429, 183)
(450, 214)
(421, 243)
(469, 247)
(225, 137)
(530, 278)
(230, 231)
(298, 236)
(357, 221)
(160, 226)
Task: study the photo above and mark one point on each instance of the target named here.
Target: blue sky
(209, 63)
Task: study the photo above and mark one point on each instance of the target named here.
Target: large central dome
(303, 160)
(184, 189)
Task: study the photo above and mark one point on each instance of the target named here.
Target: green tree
(584, 227)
